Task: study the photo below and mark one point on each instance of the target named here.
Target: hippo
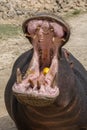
(47, 89)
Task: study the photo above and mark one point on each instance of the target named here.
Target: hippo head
(39, 86)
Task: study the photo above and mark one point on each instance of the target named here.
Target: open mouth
(39, 86)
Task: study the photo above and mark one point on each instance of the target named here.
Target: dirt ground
(11, 48)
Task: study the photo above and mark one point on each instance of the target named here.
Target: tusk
(30, 72)
(56, 39)
(34, 36)
(53, 39)
(31, 83)
(38, 85)
(19, 76)
(27, 35)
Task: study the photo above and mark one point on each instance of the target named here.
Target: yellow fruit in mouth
(45, 70)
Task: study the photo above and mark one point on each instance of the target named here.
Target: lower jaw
(34, 96)
(36, 99)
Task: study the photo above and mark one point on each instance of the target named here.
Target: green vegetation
(76, 12)
(73, 13)
(9, 30)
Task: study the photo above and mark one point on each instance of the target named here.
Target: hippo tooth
(56, 39)
(34, 36)
(38, 85)
(53, 39)
(27, 35)
(52, 29)
(19, 76)
(31, 83)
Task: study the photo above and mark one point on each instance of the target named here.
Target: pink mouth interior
(46, 38)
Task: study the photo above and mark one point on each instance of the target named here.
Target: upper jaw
(50, 17)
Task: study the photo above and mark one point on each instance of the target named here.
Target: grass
(73, 13)
(9, 30)
(76, 12)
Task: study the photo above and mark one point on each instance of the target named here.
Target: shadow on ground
(6, 123)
